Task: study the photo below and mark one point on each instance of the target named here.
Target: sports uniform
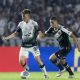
(61, 34)
(29, 34)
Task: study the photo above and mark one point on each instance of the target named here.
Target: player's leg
(23, 60)
(36, 53)
(65, 52)
(67, 67)
(53, 59)
(41, 65)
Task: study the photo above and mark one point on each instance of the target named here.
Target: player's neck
(56, 28)
(27, 20)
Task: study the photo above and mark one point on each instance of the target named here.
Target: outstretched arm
(73, 36)
(42, 35)
(10, 36)
(76, 41)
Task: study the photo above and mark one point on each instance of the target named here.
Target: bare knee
(52, 57)
(63, 61)
(22, 61)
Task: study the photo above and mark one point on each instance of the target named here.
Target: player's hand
(4, 38)
(40, 35)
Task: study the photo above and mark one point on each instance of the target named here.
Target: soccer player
(30, 32)
(62, 36)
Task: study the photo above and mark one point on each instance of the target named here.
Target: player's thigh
(61, 54)
(52, 57)
(63, 61)
(23, 55)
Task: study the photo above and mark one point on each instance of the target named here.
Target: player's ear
(22, 16)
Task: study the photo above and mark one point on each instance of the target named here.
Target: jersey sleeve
(48, 31)
(36, 26)
(18, 29)
(66, 31)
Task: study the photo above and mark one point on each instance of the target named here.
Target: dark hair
(26, 11)
(54, 18)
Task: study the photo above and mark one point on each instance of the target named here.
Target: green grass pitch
(37, 76)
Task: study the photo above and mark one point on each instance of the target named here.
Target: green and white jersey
(29, 32)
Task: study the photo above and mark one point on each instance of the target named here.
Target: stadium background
(67, 11)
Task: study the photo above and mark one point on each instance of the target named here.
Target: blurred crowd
(67, 11)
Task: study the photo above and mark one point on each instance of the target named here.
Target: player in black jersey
(62, 36)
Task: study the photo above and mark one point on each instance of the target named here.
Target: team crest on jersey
(58, 34)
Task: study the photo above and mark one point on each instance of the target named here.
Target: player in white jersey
(30, 33)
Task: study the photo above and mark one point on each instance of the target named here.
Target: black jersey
(61, 35)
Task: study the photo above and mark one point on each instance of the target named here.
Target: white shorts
(25, 51)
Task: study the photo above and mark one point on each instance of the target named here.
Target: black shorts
(62, 53)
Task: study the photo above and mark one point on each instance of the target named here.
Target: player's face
(26, 17)
(54, 23)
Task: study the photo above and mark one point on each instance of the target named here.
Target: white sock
(44, 70)
(26, 67)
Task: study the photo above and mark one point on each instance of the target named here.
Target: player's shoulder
(33, 22)
(48, 30)
(61, 27)
(66, 30)
(20, 23)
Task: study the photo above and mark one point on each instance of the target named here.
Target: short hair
(26, 11)
(54, 18)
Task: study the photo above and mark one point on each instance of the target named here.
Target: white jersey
(29, 32)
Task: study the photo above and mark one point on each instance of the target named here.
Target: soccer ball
(24, 74)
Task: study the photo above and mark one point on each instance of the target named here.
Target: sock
(68, 68)
(26, 67)
(42, 67)
(58, 64)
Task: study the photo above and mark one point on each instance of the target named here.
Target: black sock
(26, 67)
(58, 64)
(68, 68)
(41, 66)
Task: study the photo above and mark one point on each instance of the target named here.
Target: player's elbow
(73, 35)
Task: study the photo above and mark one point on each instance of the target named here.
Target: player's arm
(10, 36)
(13, 34)
(73, 37)
(76, 41)
(48, 32)
(40, 35)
